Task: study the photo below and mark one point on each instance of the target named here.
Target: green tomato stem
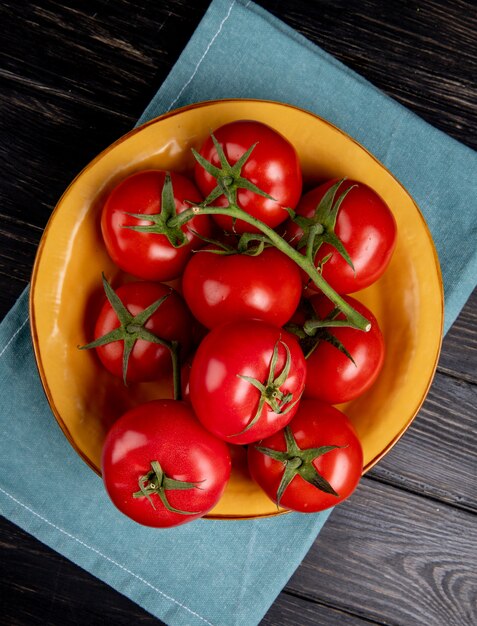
(354, 319)
(176, 370)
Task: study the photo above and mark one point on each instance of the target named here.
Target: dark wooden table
(74, 77)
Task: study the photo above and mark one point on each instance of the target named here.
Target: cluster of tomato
(259, 353)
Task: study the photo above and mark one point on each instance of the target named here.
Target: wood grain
(437, 457)
(122, 48)
(459, 351)
(51, 590)
(420, 53)
(414, 557)
(288, 607)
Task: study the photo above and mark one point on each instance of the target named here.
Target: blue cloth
(212, 572)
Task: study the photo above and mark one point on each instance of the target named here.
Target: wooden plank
(35, 579)
(34, 180)
(69, 135)
(125, 47)
(459, 349)
(406, 49)
(290, 610)
(124, 54)
(395, 558)
(438, 454)
(70, 588)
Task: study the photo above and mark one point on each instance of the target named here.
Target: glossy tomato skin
(315, 424)
(331, 375)
(220, 289)
(225, 403)
(168, 432)
(367, 229)
(185, 377)
(273, 167)
(172, 321)
(149, 255)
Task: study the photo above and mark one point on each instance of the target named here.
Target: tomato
(313, 464)
(147, 360)
(331, 375)
(246, 380)
(273, 166)
(145, 254)
(160, 467)
(221, 289)
(366, 228)
(185, 376)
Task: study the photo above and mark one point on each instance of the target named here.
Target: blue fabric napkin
(211, 572)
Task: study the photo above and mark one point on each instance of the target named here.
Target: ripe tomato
(147, 254)
(246, 380)
(331, 375)
(313, 464)
(170, 322)
(272, 166)
(221, 289)
(366, 228)
(160, 467)
(185, 376)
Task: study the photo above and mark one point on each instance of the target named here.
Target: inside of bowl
(66, 287)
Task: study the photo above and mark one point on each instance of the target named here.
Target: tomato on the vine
(134, 225)
(137, 327)
(342, 362)
(312, 464)
(161, 468)
(246, 380)
(237, 286)
(272, 167)
(346, 219)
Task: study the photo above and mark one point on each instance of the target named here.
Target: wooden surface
(74, 77)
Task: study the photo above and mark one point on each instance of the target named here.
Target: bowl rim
(140, 128)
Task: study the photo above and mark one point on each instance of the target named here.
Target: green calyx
(298, 462)
(131, 328)
(249, 244)
(320, 228)
(155, 482)
(229, 177)
(315, 330)
(159, 222)
(270, 392)
(253, 244)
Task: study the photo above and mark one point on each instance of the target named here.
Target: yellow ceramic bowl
(66, 286)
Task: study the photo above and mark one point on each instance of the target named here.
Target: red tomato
(150, 255)
(246, 380)
(171, 322)
(185, 376)
(157, 443)
(290, 468)
(221, 289)
(273, 167)
(366, 228)
(331, 375)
